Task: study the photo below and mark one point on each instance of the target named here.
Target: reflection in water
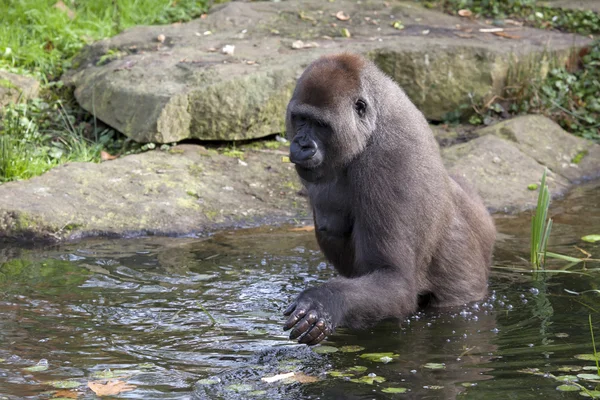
(183, 318)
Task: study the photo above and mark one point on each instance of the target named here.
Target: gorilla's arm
(384, 278)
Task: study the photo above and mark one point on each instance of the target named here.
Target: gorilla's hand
(311, 316)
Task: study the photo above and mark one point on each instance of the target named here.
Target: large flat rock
(190, 190)
(168, 83)
(185, 191)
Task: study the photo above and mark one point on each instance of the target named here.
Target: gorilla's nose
(302, 150)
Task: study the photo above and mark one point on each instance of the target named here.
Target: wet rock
(185, 87)
(187, 190)
(15, 88)
(509, 156)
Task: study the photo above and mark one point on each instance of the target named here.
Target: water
(189, 318)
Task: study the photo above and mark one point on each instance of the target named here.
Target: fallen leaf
(398, 25)
(110, 388)
(307, 228)
(66, 394)
(506, 35)
(299, 44)
(342, 16)
(303, 378)
(105, 156)
(513, 22)
(276, 378)
(465, 13)
(491, 30)
(228, 49)
(161, 38)
(591, 238)
(346, 33)
(464, 35)
(63, 7)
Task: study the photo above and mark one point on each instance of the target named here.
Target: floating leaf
(110, 388)
(325, 349)
(589, 377)
(379, 357)
(110, 374)
(566, 378)
(591, 368)
(594, 394)
(569, 368)
(591, 238)
(208, 381)
(351, 349)
(587, 357)
(394, 390)
(358, 368)
(433, 387)
(64, 384)
(303, 378)
(271, 379)
(434, 366)
(561, 335)
(37, 368)
(468, 384)
(240, 387)
(568, 388)
(369, 380)
(339, 374)
(65, 394)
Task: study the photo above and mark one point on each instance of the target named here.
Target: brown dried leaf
(105, 156)
(342, 16)
(465, 13)
(110, 388)
(65, 394)
(63, 7)
(307, 228)
(303, 378)
(506, 35)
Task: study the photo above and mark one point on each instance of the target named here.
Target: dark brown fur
(388, 216)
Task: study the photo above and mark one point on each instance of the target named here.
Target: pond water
(201, 318)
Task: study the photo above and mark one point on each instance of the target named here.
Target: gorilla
(387, 214)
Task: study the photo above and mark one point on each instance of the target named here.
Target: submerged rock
(168, 83)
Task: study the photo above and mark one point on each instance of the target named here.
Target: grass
(541, 226)
(39, 38)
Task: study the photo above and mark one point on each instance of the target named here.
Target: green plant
(596, 355)
(541, 226)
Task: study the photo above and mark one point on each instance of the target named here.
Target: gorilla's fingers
(318, 339)
(304, 325)
(294, 318)
(317, 330)
(289, 309)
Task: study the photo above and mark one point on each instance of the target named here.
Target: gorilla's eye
(361, 108)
